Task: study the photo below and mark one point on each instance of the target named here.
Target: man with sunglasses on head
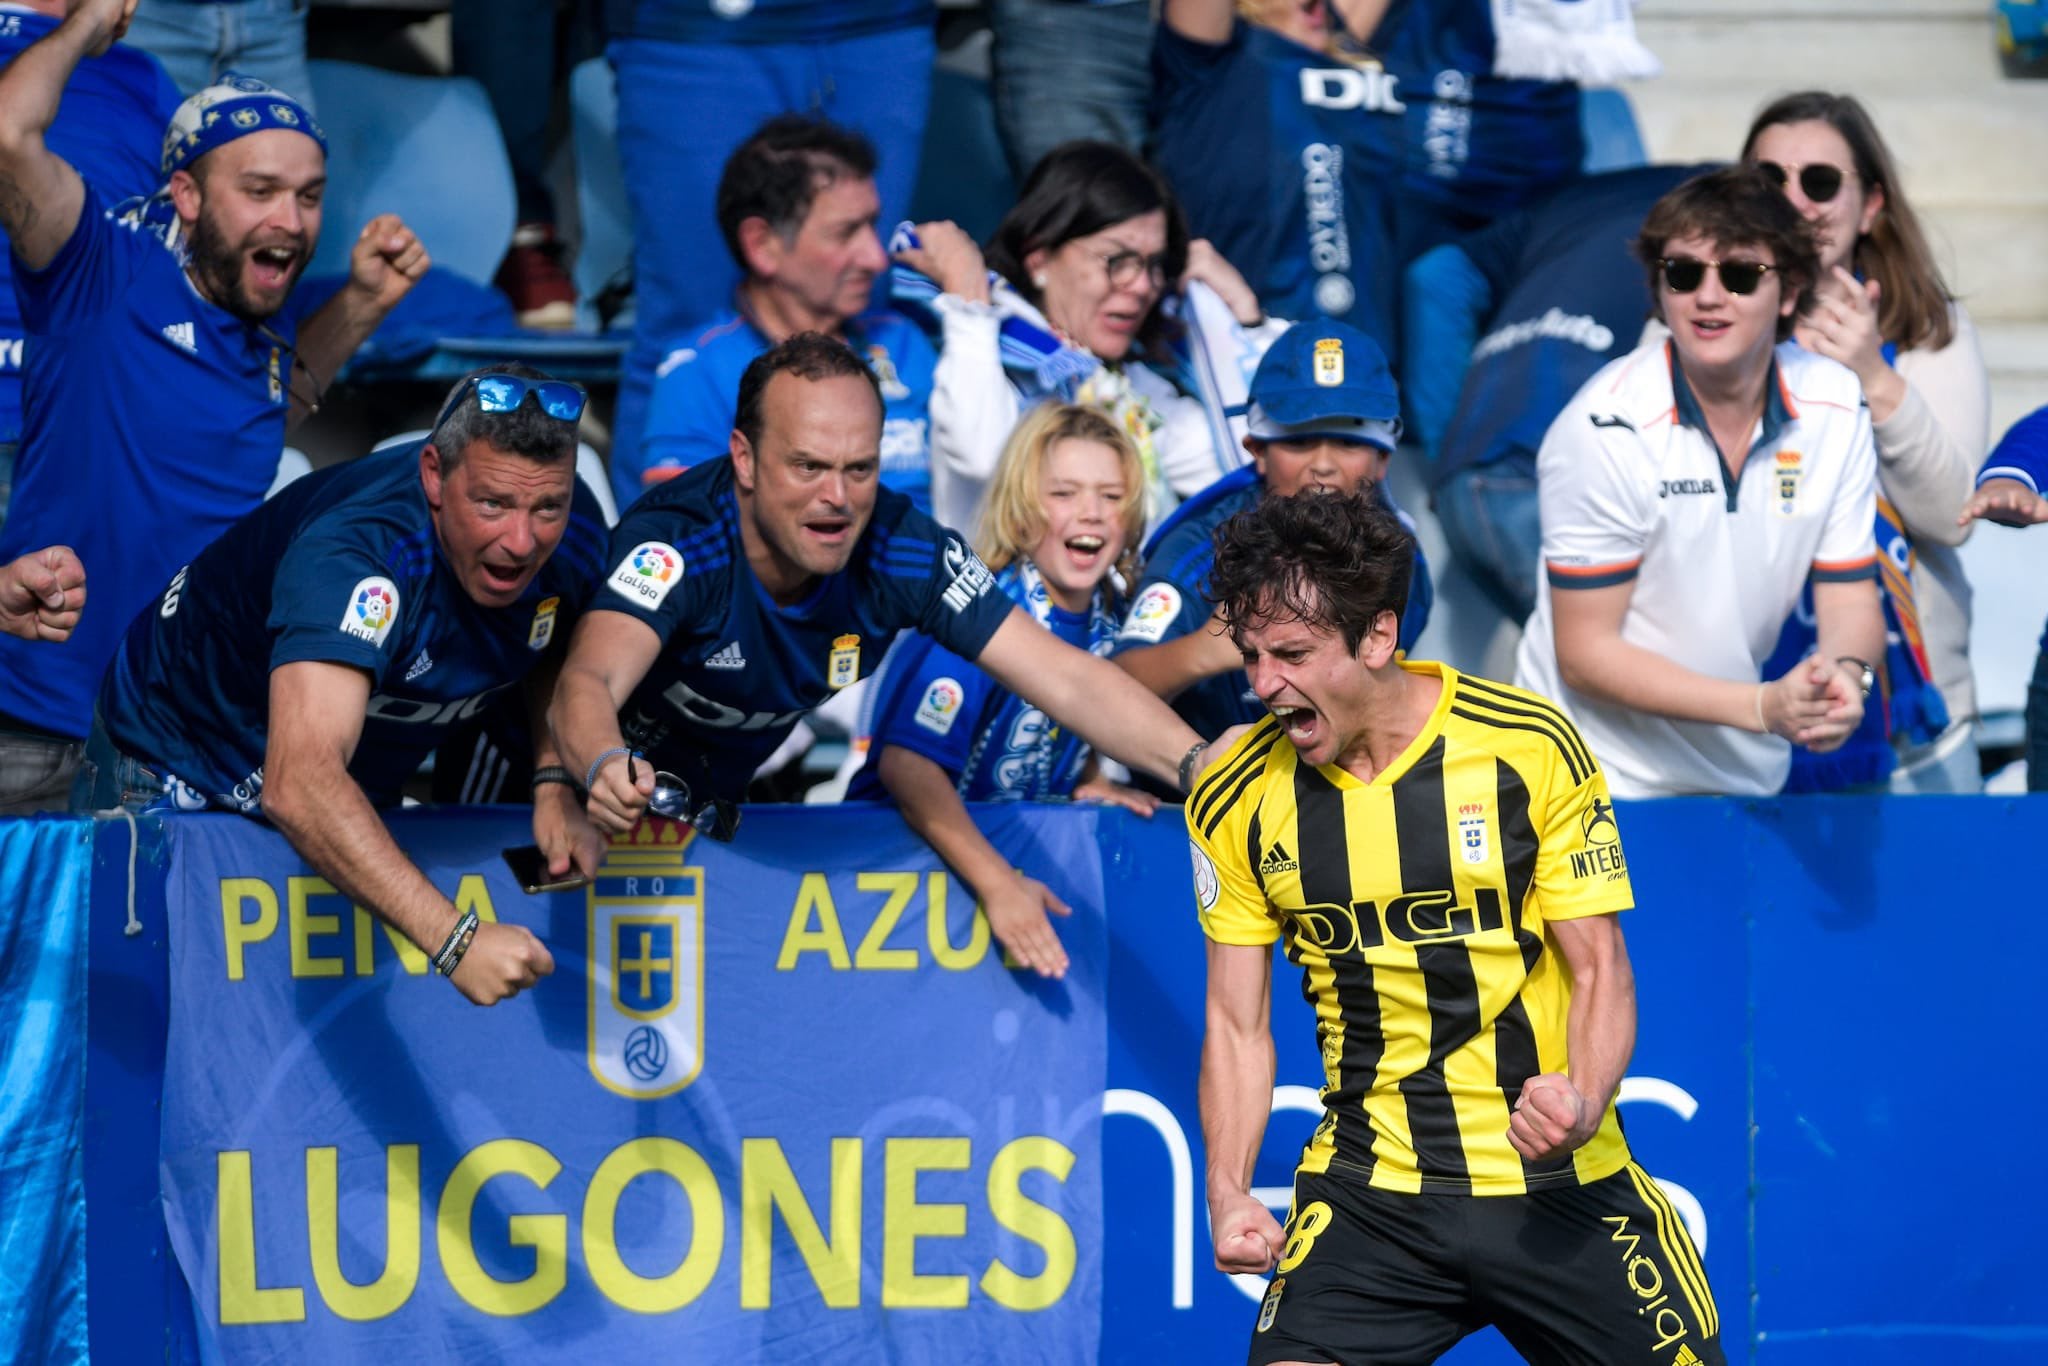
(1688, 492)
(304, 664)
(162, 367)
(751, 589)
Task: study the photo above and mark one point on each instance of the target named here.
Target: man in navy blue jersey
(307, 661)
(1324, 414)
(751, 588)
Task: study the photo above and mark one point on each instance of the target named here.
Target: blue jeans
(196, 42)
(684, 107)
(1490, 517)
(110, 778)
(1062, 69)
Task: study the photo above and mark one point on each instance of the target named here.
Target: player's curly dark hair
(1335, 561)
(807, 355)
(776, 174)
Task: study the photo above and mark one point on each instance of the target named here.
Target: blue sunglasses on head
(497, 393)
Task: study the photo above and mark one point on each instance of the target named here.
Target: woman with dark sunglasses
(1881, 308)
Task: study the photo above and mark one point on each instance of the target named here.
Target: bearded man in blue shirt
(161, 367)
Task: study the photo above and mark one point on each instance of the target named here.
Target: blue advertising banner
(43, 867)
(780, 1099)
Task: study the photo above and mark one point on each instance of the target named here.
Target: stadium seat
(1613, 142)
(604, 250)
(424, 147)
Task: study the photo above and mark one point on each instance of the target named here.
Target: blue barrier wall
(1828, 1069)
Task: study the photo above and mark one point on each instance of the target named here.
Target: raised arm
(386, 261)
(1236, 1100)
(1015, 905)
(42, 594)
(41, 195)
(316, 721)
(1091, 697)
(608, 656)
(1558, 1112)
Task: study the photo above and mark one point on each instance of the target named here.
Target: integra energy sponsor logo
(1554, 325)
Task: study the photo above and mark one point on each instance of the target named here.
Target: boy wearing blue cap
(1325, 414)
(160, 372)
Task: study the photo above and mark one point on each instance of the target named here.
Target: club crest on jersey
(646, 954)
(1207, 888)
(1788, 467)
(940, 706)
(1329, 362)
(1472, 832)
(1271, 1307)
(276, 375)
(647, 573)
(1152, 613)
(372, 609)
(844, 665)
(893, 387)
(543, 629)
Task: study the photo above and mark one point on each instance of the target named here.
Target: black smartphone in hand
(530, 869)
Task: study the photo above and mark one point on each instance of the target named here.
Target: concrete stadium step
(1795, 49)
(2016, 353)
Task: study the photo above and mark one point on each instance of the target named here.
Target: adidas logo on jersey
(1278, 860)
(183, 336)
(1686, 1356)
(727, 658)
(419, 666)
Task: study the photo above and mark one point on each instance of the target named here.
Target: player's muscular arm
(1559, 1112)
(316, 720)
(1593, 658)
(40, 194)
(1091, 697)
(608, 656)
(1171, 667)
(1236, 1100)
(1015, 905)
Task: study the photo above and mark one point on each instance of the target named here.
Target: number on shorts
(1307, 1226)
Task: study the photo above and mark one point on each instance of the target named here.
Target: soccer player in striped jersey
(1440, 857)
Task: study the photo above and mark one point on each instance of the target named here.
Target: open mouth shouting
(1084, 552)
(1299, 722)
(271, 267)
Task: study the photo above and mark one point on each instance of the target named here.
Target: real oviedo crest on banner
(646, 978)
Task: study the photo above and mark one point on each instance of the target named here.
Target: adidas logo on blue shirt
(183, 336)
(727, 658)
(419, 666)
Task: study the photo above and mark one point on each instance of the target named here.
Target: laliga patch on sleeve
(940, 707)
(649, 570)
(1206, 886)
(372, 609)
(1154, 611)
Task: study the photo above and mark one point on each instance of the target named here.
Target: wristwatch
(1866, 676)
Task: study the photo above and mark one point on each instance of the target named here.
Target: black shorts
(1597, 1275)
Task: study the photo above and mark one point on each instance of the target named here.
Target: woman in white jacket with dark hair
(1883, 310)
(1066, 304)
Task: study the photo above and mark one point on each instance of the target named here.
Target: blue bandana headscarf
(232, 107)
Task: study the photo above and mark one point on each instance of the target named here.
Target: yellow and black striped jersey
(1416, 907)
